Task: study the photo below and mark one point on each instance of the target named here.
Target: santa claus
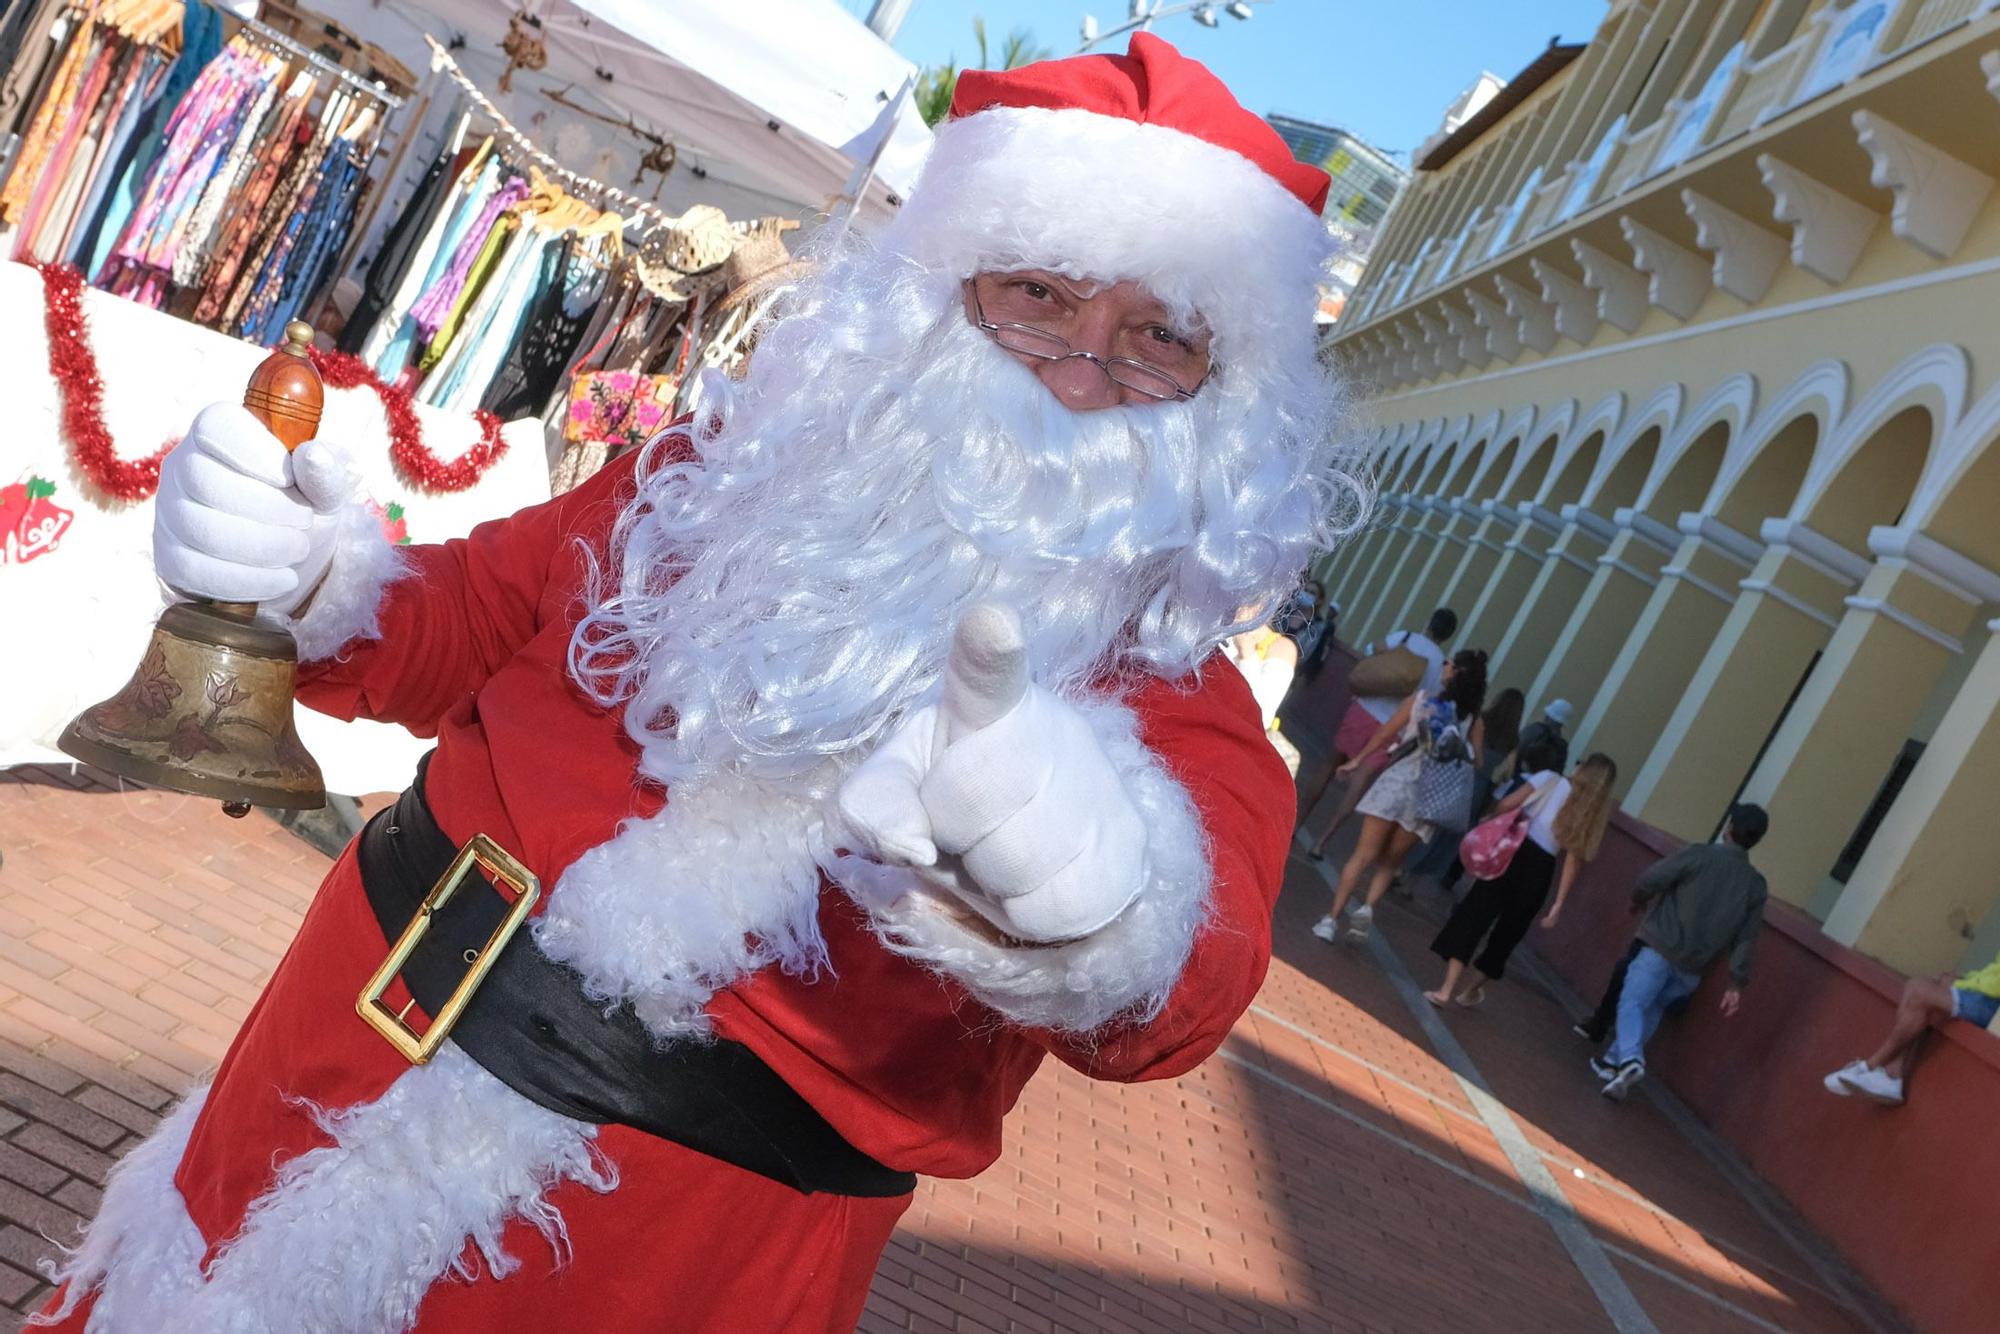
(851, 750)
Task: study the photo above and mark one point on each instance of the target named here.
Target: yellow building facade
(1681, 371)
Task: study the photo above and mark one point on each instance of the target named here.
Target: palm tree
(936, 85)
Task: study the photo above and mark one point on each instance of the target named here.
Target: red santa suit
(323, 1182)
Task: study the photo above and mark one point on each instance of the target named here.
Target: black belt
(530, 1026)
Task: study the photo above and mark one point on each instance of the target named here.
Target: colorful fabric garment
(51, 118)
(389, 350)
(325, 230)
(441, 300)
(129, 102)
(491, 323)
(240, 227)
(473, 282)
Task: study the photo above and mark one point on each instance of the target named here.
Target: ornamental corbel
(1503, 336)
(1937, 195)
(1575, 304)
(1443, 347)
(1746, 256)
(1535, 317)
(1678, 278)
(1419, 355)
(1465, 329)
(1621, 289)
(1828, 228)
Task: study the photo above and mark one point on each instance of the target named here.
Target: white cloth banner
(77, 592)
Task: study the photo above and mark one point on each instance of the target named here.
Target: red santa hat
(1141, 167)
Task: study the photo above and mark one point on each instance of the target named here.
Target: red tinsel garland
(413, 461)
(74, 367)
(73, 364)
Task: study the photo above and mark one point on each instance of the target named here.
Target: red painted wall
(1909, 1195)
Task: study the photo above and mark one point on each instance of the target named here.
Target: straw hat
(696, 243)
(760, 263)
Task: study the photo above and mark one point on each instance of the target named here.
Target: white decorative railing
(1765, 89)
(1628, 166)
(1542, 208)
(1920, 20)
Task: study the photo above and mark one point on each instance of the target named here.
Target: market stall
(180, 181)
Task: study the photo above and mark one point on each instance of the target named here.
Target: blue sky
(1384, 69)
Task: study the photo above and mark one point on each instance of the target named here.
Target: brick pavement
(1325, 1171)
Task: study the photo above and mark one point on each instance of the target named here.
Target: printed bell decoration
(209, 710)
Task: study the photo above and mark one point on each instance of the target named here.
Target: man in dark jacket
(1700, 903)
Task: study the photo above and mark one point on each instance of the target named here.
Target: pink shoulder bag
(1488, 848)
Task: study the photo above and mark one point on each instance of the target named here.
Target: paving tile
(73, 1119)
(72, 1156)
(1327, 1172)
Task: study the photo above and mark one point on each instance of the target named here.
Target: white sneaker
(1325, 929)
(1621, 1083)
(1359, 921)
(1836, 1083)
(1877, 1085)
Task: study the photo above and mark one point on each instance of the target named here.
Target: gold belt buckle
(493, 859)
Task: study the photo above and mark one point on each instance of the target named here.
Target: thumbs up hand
(1001, 795)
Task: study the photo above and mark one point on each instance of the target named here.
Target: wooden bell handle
(285, 392)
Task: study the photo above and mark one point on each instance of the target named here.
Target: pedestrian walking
(1566, 820)
(1503, 737)
(1596, 1026)
(1392, 824)
(1406, 661)
(1549, 727)
(1701, 903)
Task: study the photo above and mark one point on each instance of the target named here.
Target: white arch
(1477, 436)
(1520, 426)
(1961, 447)
(1820, 392)
(1660, 410)
(1407, 465)
(1443, 449)
(1553, 426)
(1396, 441)
(1734, 401)
(1934, 379)
(1603, 416)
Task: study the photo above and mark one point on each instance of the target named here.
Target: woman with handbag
(1428, 783)
(1515, 852)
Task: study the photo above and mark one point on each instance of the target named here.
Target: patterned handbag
(1444, 793)
(1446, 777)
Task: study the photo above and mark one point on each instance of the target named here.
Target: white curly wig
(787, 595)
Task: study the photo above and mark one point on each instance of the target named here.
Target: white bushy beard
(774, 607)
(785, 598)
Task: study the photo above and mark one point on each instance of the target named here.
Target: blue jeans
(1651, 985)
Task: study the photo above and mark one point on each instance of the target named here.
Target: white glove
(237, 519)
(1001, 795)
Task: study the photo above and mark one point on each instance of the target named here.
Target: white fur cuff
(364, 563)
(1124, 971)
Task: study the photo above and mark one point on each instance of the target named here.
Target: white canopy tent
(790, 98)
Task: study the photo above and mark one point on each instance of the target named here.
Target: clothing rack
(441, 59)
(263, 32)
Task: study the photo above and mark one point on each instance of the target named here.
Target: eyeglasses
(1042, 345)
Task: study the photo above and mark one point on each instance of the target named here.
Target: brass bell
(209, 711)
